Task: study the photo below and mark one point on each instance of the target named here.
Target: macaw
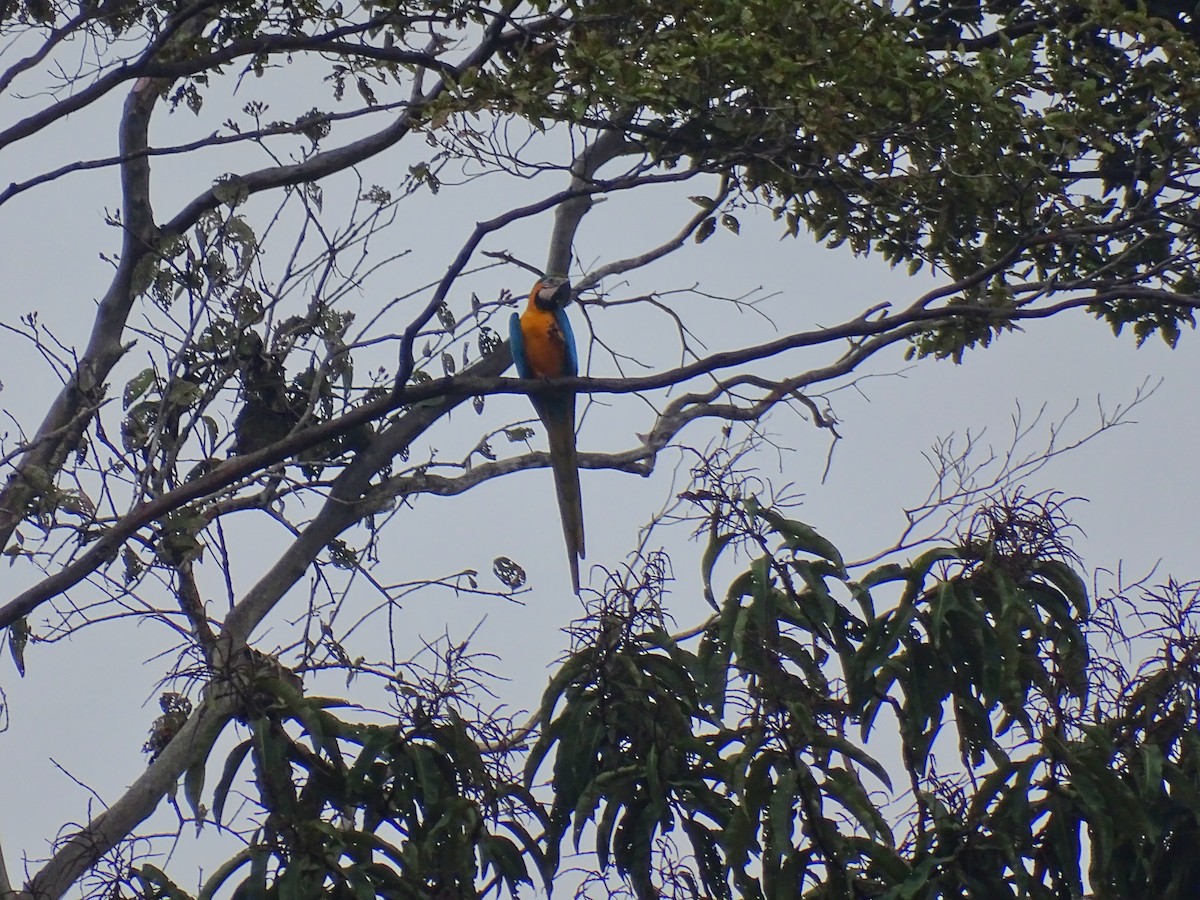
(544, 347)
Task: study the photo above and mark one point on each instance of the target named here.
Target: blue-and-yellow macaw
(544, 347)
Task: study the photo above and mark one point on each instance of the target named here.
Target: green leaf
(184, 393)
(137, 386)
(798, 535)
(830, 741)
(844, 786)
(780, 821)
(193, 788)
(531, 847)
(919, 569)
(233, 762)
(224, 872)
(361, 885)
(231, 190)
(1152, 771)
(712, 552)
(155, 883)
(1067, 580)
(373, 741)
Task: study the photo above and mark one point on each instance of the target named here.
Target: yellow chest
(545, 346)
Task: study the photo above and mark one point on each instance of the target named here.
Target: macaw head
(552, 292)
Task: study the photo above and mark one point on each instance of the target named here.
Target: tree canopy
(320, 214)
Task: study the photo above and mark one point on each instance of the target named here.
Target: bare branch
(212, 140)
(55, 38)
(192, 18)
(620, 266)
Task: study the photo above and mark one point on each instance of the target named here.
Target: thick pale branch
(5, 884)
(191, 604)
(607, 147)
(79, 852)
(63, 426)
(350, 500)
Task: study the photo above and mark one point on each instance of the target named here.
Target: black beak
(554, 296)
(562, 295)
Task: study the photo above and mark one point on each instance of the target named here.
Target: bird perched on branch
(544, 347)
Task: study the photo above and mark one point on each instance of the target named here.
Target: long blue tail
(558, 415)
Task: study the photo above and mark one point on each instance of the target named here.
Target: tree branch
(213, 140)
(80, 851)
(104, 347)
(872, 334)
(5, 884)
(194, 16)
(620, 266)
(52, 40)
(286, 43)
(570, 213)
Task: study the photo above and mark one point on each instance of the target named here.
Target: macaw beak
(553, 293)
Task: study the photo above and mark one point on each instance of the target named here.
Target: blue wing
(516, 343)
(564, 325)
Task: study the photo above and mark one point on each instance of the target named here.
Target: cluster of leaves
(759, 747)
(1055, 143)
(164, 410)
(410, 810)
(761, 744)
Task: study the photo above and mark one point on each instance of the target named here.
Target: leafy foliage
(761, 747)
(757, 744)
(352, 810)
(1057, 145)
